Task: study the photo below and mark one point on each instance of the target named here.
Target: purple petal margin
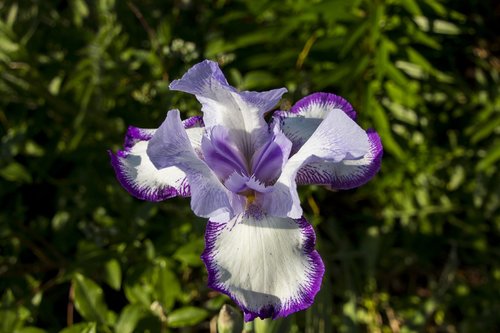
(136, 134)
(326, 100)
(144, 193)
(160, 193)
(325, 174)
(307, 292)
(371, 169)
(196, 121)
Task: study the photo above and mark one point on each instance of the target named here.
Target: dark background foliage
(414, 250)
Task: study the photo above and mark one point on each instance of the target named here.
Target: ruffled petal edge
(286, 282)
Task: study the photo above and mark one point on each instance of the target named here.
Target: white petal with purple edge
(301, 122)
(305, 116)
(140, 177)
(346, 174)
(268, 266)
(337, 138)
(318, 104)
(170, 146)
(240, 112)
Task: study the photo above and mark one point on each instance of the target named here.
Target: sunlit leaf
(129, 317)
(167, 286)
(113, 274)
(89, 300)
(80, 328)
(186, 316)
(15, 172)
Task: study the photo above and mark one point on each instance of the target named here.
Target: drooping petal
(305, 116)
(346, 174)
(138, 175)
(337, 138)
(136, 134)
(318, 104)
(301, 122)
(169, 147)
(240, 112)
(220, 153)
(268, 161)
(268, 266)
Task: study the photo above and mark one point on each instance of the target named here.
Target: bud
(230, 320)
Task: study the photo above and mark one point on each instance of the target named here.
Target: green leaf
(8, 320)
(418, 59)
(30, 329)
(437, 26)
(412, 70)
(258, 80)
(425, 39)
(129, 318)
(186, 316)
(354, 38)
(16, 172)
(12, 15)
(138, 287)
(80, 328)
(272, 325)
(445, 28)
(80, 11)
(189, 254)
(398, 77)
(164, 33)
(113, 274)
(168, 287)
(89, 300)
(382, 58)
(485, 129)
(492, 157)
(437, 7)
(412, 7)
(383, 126)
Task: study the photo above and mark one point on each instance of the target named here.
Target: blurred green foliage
(416, 249)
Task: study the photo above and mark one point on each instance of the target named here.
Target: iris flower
(242, 174)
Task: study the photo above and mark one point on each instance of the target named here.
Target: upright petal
(240, 112)
(337, 138)
(220, 153)
(138, 175)
(169, 147)
(268, 266)
(268, 161)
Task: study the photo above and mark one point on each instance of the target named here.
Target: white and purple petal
(301, 121)
(346, 174)
(170, 146)
(267, 265)
(136, 134)
(318, 104)
(139, 176)
(337, 138)
(240, 112)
